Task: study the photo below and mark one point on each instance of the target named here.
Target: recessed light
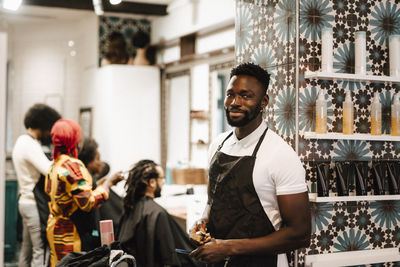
(12, 4)
(71, 43)
(72, 53)
(115, 2)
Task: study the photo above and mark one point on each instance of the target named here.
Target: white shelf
(351, 258)
(350, 77)
(315, 199)
(356, 136)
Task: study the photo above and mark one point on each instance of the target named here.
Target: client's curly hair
(136, 183)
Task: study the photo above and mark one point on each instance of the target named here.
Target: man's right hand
(198, 233)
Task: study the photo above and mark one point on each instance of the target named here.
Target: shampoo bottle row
(348, 115)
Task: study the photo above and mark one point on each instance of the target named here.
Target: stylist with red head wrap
(69, 186)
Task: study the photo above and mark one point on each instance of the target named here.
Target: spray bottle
(396, 115)
(321, 113)
(348, 114)
(376, 116)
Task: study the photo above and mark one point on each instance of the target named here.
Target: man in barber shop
(258, 205)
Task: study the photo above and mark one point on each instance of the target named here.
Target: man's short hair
(41, 116)
(88, 152)
(253, 70)
(140, 39)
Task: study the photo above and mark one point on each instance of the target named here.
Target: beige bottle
(396, 115)
(376, 116)
(348, 114)
(320, 114)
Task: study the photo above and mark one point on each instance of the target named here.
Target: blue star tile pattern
(351, 150)
(385, 20)
(285, 112)
(352, 240)
(264, 56)
(321, 216)
(285, 19)
(243, 28)
(386, 213)
(314, 16)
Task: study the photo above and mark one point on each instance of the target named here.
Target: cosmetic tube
(361, 53)
(348, 114)
(327, 50)
(395, 116)
(320, 113)
(394, 55)
(376, 116)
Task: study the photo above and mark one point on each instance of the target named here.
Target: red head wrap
(66, 134)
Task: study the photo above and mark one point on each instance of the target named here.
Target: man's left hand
(214, 251)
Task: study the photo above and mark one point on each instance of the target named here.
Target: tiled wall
(265, 34)
(128, 27)
(379, 19)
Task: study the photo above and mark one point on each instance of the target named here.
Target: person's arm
(79, 186)
(36, 156)
(296, 233)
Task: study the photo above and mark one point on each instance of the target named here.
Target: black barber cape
(151, 235)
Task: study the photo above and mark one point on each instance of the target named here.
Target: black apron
(236, 211)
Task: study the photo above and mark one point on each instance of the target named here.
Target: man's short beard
(248, 117)
(157, 192)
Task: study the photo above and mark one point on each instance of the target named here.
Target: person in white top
(258, 205)
(29, 162)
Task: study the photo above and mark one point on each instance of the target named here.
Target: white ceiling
(32, 14)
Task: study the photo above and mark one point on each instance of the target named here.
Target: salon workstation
(199, 133)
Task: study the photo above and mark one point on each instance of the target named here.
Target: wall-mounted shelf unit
(316, 199)
(352, 258)
(350, 77)
(356, 136)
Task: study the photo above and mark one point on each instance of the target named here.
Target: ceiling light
(115, 2)
(72, 53)
(71, 43)
(12, 4)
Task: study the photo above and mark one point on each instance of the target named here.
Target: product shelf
(356, 136)
(316, 199)
(350, 77)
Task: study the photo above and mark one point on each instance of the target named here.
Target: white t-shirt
(29, 162)
(277, 170)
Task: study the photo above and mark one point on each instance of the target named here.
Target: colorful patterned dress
(69, 186)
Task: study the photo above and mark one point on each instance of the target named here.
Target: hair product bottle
(376, 116)
(394, 55)
(360, 52)
(396, 115)
(327, 50)
(321, 113)
(348, 114)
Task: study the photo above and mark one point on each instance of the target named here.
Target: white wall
(44, 70)
(126, 113)
(188, 16)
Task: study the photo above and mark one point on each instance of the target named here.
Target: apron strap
(226, 138)
(259, 143)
